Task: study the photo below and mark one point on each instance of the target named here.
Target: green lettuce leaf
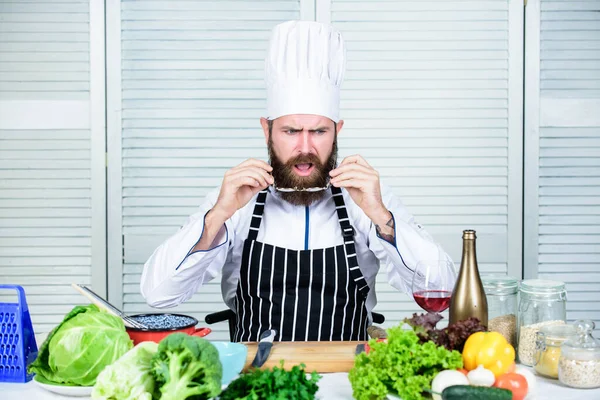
(41, 365)
(81, 346)
(402, 366)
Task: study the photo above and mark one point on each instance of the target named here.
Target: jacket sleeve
(174, 272)
(412, 244)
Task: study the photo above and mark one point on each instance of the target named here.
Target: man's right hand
(240, 184)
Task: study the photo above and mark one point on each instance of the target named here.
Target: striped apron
(306, 295)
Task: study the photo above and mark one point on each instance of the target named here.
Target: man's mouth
(304, 169)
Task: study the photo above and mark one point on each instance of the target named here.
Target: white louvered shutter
(192, 95)
(46, 194)
(432, 100)
(568, 185)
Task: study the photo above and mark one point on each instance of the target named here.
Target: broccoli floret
(187, 367)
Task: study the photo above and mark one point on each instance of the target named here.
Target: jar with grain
(541, 303)
(547, 348)
(579, 363)
(501, 293)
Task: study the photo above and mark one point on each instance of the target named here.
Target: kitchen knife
(359, 348)
(264, 347)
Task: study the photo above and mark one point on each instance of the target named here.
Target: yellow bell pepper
(489, 349)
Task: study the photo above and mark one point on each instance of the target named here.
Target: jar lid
(499, 284)
(558, 332)
(582, 346)
(542, 286)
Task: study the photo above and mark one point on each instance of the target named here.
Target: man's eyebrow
(295, 128)
(320, 128)
(290, 128)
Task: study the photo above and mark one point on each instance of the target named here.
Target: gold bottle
(468, 297)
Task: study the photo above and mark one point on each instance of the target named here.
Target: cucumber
(466, 392)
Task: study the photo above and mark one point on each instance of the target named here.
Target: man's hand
(239, 185)
(362, 183)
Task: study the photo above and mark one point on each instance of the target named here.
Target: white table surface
(331, 387)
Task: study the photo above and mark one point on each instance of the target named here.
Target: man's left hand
(362, 183)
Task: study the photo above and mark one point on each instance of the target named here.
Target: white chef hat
(304, 68)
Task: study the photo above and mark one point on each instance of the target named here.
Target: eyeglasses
(297, 189)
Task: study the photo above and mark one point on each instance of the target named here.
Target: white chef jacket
(173, 273)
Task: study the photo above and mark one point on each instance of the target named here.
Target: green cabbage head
(81, 346)
(129, 378)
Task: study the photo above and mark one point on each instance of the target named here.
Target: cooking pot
(156, 334)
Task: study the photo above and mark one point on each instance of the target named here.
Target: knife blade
(360, 348)
(264, 347)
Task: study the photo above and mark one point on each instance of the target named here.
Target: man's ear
(339, 126)
(265, 125)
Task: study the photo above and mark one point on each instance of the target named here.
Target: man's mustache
(305, 159)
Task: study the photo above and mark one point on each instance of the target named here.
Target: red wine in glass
(433, 300)
(433, 283)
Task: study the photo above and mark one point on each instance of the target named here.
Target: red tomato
(463, 371)
(516, 383)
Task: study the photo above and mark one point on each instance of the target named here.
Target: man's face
(302, 151)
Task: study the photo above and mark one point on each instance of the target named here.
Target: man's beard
(285, 177)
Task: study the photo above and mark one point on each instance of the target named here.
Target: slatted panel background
(44, 48)
(569, 182)
(192, 95)
(45, 214)
(426, 103)
(570, 49)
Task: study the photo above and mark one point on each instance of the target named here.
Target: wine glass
(432, 284)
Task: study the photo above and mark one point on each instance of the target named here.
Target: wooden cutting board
(322, 357)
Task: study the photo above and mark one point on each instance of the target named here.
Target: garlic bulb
(481, 377)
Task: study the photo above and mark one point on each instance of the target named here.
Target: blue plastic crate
(18, 348)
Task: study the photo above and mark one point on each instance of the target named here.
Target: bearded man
(298, 240)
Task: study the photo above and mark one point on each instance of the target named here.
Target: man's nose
(305, 144)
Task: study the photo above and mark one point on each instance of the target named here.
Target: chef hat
(304, 69)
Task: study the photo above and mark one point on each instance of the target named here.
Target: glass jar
(541, 303)
(547, 348)
(579, 363)
(501, 293)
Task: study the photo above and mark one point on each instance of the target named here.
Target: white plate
(71, 391)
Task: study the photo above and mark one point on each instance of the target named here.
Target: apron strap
(348, 234)
(259, 208)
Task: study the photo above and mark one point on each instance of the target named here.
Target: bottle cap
(469, 234)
